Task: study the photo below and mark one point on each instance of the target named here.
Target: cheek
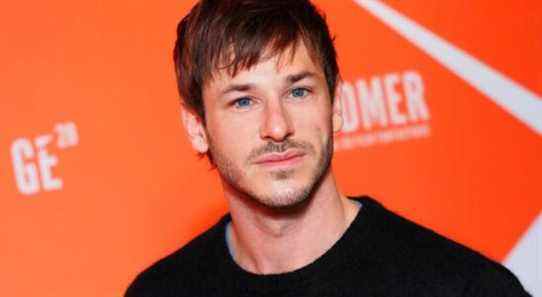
(321, 130)
(315, 122)
(232, 138)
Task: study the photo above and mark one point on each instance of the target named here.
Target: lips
(280, 159)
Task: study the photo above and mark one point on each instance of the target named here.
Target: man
(258, 80)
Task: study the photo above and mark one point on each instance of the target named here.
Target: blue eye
(242, 102)
(299, 92)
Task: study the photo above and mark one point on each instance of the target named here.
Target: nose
(277, 123)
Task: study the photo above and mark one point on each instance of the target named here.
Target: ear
(337, 116)
(193, 124)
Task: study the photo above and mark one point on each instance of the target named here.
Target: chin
(284, 198)
(285, 193)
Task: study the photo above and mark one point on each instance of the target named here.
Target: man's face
(269, 128)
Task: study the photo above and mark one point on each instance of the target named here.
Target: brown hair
(233, 34)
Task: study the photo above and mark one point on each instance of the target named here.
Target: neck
(268, 241)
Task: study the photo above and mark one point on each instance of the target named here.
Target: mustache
(274, 147)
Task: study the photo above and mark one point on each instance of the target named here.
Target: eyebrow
(291, 79)
(238, 88)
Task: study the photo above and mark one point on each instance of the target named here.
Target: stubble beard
(279, 200)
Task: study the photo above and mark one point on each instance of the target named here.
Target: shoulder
(426, 256)
(184, 270)
(401, 238)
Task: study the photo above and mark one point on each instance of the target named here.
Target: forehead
(278, 66)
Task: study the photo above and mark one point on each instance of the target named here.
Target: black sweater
(380, 255)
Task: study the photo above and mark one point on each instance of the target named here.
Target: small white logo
(33, 163)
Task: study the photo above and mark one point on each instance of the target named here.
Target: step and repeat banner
(442, 104)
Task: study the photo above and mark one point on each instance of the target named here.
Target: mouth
(280, 160)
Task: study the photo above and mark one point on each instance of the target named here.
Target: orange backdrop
(97, 179)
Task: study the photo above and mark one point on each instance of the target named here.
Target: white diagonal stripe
(525, 259)
(509, 95)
